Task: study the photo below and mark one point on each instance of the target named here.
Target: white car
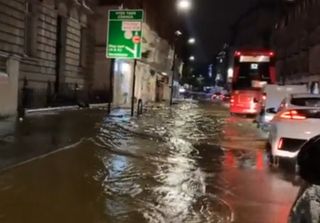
(273, 95)
(297, 120)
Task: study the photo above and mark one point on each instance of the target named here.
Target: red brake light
(271, 54)
(237, 53)
(280, 143)
(293, 114)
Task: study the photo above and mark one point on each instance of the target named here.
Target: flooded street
(192, 163)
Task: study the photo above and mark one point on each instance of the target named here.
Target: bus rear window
(254, 71)
(249, 72)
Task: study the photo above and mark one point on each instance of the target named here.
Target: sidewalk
(42, 133)
(48, 130)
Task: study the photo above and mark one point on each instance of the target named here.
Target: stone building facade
(52, 53)
(297, 39)
(50, 42)
(11, 51)
(254, 28)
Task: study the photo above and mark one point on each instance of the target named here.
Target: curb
(98, 105)
(62, 108)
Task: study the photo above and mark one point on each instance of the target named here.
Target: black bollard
(140, 107)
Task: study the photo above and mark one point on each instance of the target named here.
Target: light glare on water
(167, 166)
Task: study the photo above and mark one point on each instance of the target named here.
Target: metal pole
(173, 74)
(110, 94)
(133, 87)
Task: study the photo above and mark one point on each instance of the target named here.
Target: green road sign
(125, 34)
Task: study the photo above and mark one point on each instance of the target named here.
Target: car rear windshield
(308, 102)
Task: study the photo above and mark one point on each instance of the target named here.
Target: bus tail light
(293, 115)
(232, 99)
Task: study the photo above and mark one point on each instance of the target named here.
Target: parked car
(306, 209)
(217, 96)
(221, 97)
(296, 121)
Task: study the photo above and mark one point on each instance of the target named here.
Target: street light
(191, 41)
(184, 5)
(192, 58)
(177, 35)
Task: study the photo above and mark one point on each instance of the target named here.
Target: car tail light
(237, 53)
(293, 114)
(280, 143)
(271, 54)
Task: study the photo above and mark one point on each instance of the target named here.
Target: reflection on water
(165, 167)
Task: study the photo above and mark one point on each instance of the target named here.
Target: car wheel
(273, 160)
(296, 167)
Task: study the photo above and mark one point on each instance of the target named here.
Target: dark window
(286, 20)
(308, 102)
(249, 72)
(30, 31)
(3, 64)
(83, 48)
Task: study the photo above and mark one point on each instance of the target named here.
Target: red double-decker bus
(252, 70)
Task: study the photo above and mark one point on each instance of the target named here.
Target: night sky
(210, 21)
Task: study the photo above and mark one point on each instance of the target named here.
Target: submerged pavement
(192, 163)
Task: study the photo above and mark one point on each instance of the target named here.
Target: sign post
(125, 39)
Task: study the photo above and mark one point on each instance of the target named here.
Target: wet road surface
(192, 163)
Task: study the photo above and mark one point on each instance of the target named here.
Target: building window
(315, 87)
(30, 30)
(3, 65)
(304, 6)
(286, 20)
(83, 47)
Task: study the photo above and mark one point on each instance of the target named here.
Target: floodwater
(192, 163)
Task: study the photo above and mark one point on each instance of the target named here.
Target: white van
(274, 94)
